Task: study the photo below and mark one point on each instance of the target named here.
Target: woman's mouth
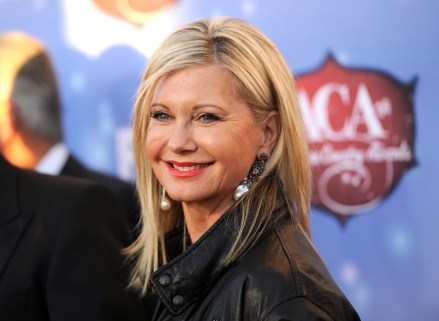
(189, 168)
(185, 170)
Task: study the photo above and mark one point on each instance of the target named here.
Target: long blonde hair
(261, 78)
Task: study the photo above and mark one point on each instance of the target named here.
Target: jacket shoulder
(124, 191)
(286, 270)
(56, 197)
(313, 282)
(75, 168)
(41, 185)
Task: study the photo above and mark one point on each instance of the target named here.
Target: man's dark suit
(124, 191)
(60, 243)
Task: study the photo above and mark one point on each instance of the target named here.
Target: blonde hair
(261, 78)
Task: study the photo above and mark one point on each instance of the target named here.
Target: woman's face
(202, 139)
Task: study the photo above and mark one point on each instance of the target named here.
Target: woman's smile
(187, 169)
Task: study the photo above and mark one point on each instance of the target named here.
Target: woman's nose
(181, 139)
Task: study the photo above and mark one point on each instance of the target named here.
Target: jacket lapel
(12, 222)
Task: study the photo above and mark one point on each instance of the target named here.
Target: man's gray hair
(25, 63)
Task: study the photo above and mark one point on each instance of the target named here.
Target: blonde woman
(224, 183)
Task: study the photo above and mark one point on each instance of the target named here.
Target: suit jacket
(60, 250)
(124, 191)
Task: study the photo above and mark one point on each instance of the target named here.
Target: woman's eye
(208, 118)
(159, 115)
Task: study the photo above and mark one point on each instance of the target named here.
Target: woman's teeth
(189, 168)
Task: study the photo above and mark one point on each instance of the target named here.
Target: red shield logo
(360, 126)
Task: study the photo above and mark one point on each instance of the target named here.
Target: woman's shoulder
(285, 267)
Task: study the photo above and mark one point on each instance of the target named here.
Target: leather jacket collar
(187, 277)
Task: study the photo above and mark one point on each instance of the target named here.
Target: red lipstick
(186, 169)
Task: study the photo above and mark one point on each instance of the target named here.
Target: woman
(224, 183)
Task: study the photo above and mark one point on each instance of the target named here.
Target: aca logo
(360, 127)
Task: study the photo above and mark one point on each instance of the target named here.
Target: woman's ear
(271, 132)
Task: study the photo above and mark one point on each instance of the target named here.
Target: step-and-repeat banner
(368, 78)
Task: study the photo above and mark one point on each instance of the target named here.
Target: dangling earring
(165, 203)
(253, 176)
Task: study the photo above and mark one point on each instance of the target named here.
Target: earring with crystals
(165, 203)
(253, 176)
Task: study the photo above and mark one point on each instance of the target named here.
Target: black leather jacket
(280, 278)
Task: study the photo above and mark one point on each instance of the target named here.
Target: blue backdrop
(385, 258)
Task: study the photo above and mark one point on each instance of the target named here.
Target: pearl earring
(253, 176)
(165, 203)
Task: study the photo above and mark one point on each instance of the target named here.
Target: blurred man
(30, 117)
(60, 250)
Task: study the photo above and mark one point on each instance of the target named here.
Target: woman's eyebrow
(195, 107)
(198, 106)
(159, 105)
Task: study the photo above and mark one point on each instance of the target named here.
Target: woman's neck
(200, 217)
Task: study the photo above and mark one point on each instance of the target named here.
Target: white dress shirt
(54, 160)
